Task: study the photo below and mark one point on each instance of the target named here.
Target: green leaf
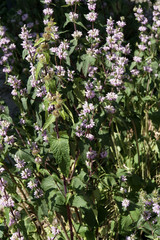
(78, 201)
(38, 68)
(69, 113)
(74, 42)
(126, 222)
(81, 24)
(6, 212)
(60, 150)
(133, 64)
(29, 87)
(25, 154)
(79, 66)
(77, 183)
(49, 121)
(24, 53)
(109, 179)
(24, 103)
(48, 183)
(42, 209)
(89, 60)
(39, 41)
(89, 218)
(135, 214)
(2, 229)
(67, 20)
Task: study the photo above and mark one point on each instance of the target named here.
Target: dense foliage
(80, 157)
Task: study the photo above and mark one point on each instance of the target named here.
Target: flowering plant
(79, 158)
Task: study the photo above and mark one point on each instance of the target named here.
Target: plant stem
(136, 137)
(62, 225)
(68, 210)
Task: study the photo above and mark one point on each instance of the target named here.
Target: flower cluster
(5, 200)
(5, 138)
(7, 47)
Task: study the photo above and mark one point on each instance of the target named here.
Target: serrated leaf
(48, 183)
(42, 209)
(51, 119)
(60, 150)
(126, 221)
(25, 154)
(78, 201)
(77, 183)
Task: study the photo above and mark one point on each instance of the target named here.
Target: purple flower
(91, 6)
(90, 94)
(131, 237)
(72, 2)
(148, 203)
(26, 173)
(90, 125)
(147, 69)
(93, 33)
(92, 16)
(146, 215)
(54, 231)
(77, 34)
(115, 82)
(3, 184)
(32, 184)
(19, 163)
(38, 159)
(91, 154)
(48, 11)
(142, 47)
(16, 236)
(111, 96)
(121, 23)
(38, 193)
(156, 208)
(125, 203)
(90, 136)
(9, 139)
(103, 154)
(19, 12)
(47, 1)
(123, 178)
(24, 17)
(135, 72)
(137, 59)
(110, 109)
(142, 29)
(73, 16)
(13, 218)
(1, 169)
(6, 201)
(87, 108)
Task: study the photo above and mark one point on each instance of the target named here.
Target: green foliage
(80, 157)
